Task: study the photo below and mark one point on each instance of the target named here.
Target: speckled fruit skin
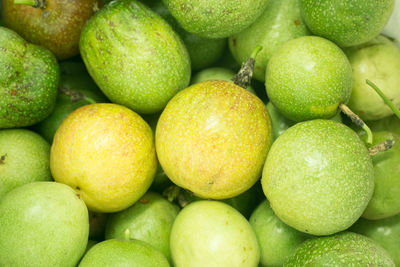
(344, 249)
(134, 56)
(216, 18)
(24, 158)
(43, 224)
(280, 22)
(203, 52)
(346, 22)
(212, 139)
(385, 232)
(211, 233)
(29, 76)
(307, 78)
(318, 177)
(56, 27)
(216, 73)
(150, 220)
(105, 152)
(277, 240)
(378, 61)
(114, 252)
(385, 201)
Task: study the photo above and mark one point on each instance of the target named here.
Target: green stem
(387, 101)
(33, 3)
(243, 77)
(90, 100)
(357, 121)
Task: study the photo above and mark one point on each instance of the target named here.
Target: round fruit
(211, 233)
(213, 138)
(42, 224)
(347, 22)
(114, 252)
(318, 177)
(308, 78)
(344, 249)
(106, 153)
(24, 158)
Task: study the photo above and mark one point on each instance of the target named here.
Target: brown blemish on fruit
(144, 201)
(297, 22)
(3, 158)
(13, 92)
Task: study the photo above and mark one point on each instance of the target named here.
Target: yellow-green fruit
(213, 138)
(106, 153)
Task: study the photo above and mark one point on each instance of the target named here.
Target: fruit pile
(199, 133)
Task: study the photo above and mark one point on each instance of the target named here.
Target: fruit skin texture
(114, 252)
(347, 23)
(276, 239)
(215, 18)
(213, 138)
(28, 81)
(56, 27)
(106, 153)
(42, 224)
(379, 61)
(385, 232)
(211, 233)
(134, 56)
(307, 78)
(280, 22)
(150, 220)
(344, 249)
(24, 158)
(318, 177)
(385, 201)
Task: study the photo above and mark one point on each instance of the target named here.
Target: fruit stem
(357, 121)
(76, 95)
(387, 101)
(34, 3)
(243, 77)
(381, 147)
(172, 192)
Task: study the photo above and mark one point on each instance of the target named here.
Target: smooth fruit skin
(385, 232)
(277, 240)
(211, 233)
(24, 158)
(280, 22)
(318, 177)
(215, 18)
(106, 153)
(114, 252)
(134, 56)
(150, 220)
(42, 224)
(29, 79)
(307, 78)
(385, 201)
(379, 61)
(347, 23)
(56, 27)
(344, 249)
(213, 138)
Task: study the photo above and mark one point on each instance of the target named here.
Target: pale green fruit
(344, 249)
(150, 220)
(347, 22)
(318, 177)
(215, 18)
(212, 233)
(308, 78)
(114, 252)
(385, 232)
(277, 240)
(42, 224)
(134, 56)
(378, 61)
(24, 158)
(280, 22)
